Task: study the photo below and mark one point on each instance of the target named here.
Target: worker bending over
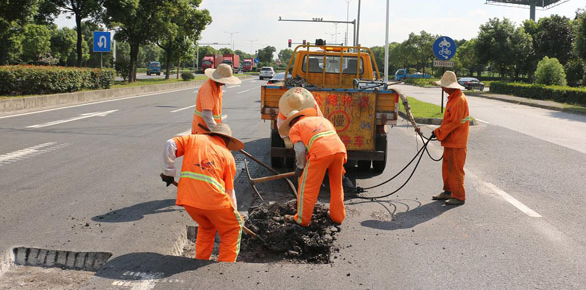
(317, 149)
(208, 105)
(453, 135)
(206, 188)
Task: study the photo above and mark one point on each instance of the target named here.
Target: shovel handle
(272, 177)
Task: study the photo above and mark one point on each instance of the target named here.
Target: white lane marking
(234, 86)
(139, 280)
(30, 152)
(516, 203)
(482, 121)
(247, 90)
(182, 109)
(81, 117)
(224, 117)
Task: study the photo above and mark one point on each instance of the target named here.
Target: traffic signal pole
(321, 20)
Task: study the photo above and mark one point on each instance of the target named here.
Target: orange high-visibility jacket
(207, 172)
(318, 135)
(453, 133)
(209, 97)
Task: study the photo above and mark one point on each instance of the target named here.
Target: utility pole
(358, 25)
(231, 39)
(251, 41)
(386, 69)
(347, 15)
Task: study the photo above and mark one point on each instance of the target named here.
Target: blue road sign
(444, 48)
(257, 60)
(102, 41)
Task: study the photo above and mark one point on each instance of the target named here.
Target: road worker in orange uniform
(317, 149)
(206, 188)
(208, 105)
(299, 101)
(453, 135)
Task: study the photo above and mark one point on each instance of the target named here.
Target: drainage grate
(87, 261)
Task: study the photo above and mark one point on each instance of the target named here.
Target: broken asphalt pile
(289, 241)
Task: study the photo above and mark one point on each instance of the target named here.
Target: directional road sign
(444, 48)
(257, 60)
(102, 41)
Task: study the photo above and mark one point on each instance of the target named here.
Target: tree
(80, 9)
(13, 16)
(225, 50)
(554, 38)
(63, 45)
(36, 42)
(183, 28)
(580, 33)
(550, 72)
(494, 44)
(468, 58)
(137, 22)
(521, 52)
(420, 48)
(285, 55)
(574, 70)
(266, 54)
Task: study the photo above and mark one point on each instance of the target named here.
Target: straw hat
(295, 99)
(449, 81)
(285, 127)
(223, 74)
(223, 129)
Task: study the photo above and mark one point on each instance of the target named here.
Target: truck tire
(148, 73)
(276, 141)
(380, 145)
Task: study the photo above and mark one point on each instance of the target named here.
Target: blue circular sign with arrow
(444, 48)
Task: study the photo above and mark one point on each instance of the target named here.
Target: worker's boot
(289, 218)
(455, 201)
(442, 196)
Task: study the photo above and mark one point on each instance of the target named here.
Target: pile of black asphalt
(286, 241)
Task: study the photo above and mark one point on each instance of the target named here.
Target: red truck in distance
(247, 65)
(232, 60)
(211, 61)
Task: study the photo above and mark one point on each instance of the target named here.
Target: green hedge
(561, 94)
(33, 80)
(421, 82)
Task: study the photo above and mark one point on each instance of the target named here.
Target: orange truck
(346, 84)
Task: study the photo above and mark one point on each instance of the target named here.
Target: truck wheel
(380, 145)
(148, 73)
(260, 78)
(364, 165)
(276, 141)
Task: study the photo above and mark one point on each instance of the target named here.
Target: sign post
(444, 48)
(102, 43)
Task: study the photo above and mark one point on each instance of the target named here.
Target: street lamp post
(386, 70)
(347, 16)
(231, 39)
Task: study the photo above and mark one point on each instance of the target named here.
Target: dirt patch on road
(34, 278)
(288, 241)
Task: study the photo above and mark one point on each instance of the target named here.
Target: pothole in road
(285, 242)
(34, 268)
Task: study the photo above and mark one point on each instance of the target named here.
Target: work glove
(298, 172)
(432, 135)
(167, 179)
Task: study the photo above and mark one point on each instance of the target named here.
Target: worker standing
(208, 105)
(453, 135)
(317, 149)
(206, 188)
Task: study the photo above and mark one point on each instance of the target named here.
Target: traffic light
(290, 42)
(304, 42)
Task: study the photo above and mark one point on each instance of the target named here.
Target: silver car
(266, 72)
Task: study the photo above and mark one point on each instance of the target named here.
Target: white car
(266, 72)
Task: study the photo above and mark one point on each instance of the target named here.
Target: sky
(253, 24)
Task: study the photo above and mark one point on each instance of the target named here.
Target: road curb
(22, 104)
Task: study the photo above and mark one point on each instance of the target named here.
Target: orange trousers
(310, 183)
(453, 171)
(227, 222)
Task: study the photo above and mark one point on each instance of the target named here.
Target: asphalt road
(90, 183)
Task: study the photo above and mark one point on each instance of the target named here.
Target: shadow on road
(147, 266)
(137, 211)
(407, 219)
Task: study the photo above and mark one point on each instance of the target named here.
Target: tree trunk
(178, 66)
(134, 47)
(168, 61)
(79, 39)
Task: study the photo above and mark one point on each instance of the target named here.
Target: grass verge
(421, 109)
(156, 81)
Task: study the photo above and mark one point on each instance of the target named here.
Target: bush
(540, 92)
(421, 82)
(550, 72)
(122, 69)
(574, 71)
(32, 80)
(187, 76)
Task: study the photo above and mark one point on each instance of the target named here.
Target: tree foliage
(550, 72)
(285, 55)
(266, 54)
